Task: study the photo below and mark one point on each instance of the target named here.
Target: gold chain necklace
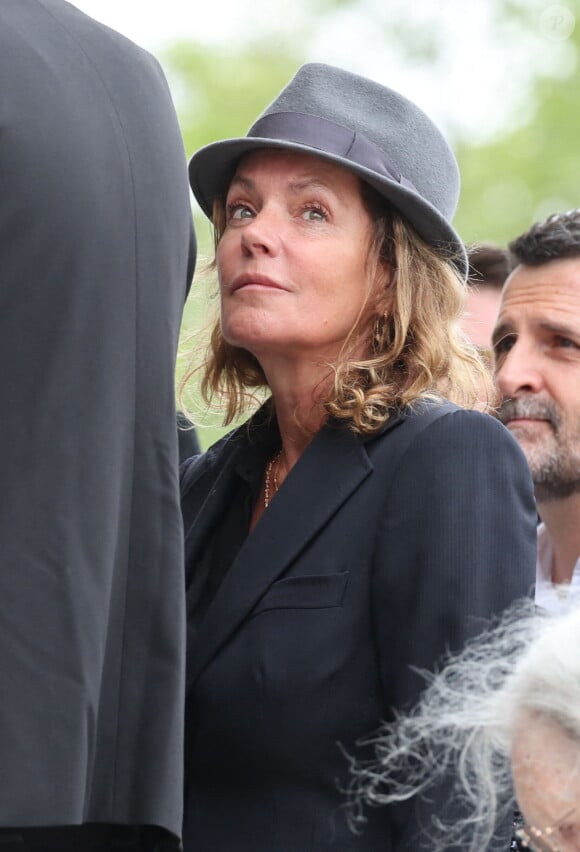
(271, 478)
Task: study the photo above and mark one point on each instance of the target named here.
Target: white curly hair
(464, 723)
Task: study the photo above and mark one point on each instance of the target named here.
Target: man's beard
(554, 459)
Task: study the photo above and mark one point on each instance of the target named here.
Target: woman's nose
(261, 235)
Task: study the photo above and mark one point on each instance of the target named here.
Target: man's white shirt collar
(554, 598)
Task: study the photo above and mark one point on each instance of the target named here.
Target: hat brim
(212, 168)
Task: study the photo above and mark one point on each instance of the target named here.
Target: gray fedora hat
(363, 126)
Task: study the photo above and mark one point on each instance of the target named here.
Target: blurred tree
(519, 159)
(220, 90)
(534, 170)
(518, 162)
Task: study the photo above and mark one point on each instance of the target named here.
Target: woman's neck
(298, 392)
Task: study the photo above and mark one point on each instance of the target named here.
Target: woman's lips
(255, 280)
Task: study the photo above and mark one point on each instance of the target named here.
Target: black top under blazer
(96, 253)
(374, 558)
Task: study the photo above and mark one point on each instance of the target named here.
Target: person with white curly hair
(505, 716)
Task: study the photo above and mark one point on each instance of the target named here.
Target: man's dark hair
(555, 239)
(488, 266)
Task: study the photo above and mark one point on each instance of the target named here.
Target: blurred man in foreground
(537, 362)
(96, 252)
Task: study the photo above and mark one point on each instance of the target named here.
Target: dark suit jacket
(96, 252)
(187, 439)
(373, 559)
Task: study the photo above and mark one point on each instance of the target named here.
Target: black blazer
(96, 253)
(374, 558)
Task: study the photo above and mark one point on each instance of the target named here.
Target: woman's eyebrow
(309, 183)
(240, 181)
(243, 182)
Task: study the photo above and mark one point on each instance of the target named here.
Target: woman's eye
(315, 214)
(239, 211)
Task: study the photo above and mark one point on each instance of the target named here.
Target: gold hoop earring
(379, 327)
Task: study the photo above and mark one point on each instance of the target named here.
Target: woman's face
(546, 772)
(292, 261)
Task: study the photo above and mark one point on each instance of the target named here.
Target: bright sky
(479, 84)
(155, 24)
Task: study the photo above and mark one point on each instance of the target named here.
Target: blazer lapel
(329, 471)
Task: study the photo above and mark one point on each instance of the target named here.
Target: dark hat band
(328, 138)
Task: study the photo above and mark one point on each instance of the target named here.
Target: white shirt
(556, 598)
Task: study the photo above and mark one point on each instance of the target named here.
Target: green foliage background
(520, 174)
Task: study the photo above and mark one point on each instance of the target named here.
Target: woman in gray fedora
(362, 521)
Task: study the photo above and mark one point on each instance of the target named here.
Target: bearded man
(537, 366)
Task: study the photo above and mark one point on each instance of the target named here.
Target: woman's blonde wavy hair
(416, 350)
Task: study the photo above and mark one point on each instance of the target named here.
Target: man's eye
(565, 343)
(504, 344)
(239, 211)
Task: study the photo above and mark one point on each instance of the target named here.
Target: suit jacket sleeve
(458, 538)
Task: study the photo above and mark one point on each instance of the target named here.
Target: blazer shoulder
(439, 434)
(463, 437)
(450, 418)
(406, 425)
(478, 426)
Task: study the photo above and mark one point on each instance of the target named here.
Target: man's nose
(518, 371)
